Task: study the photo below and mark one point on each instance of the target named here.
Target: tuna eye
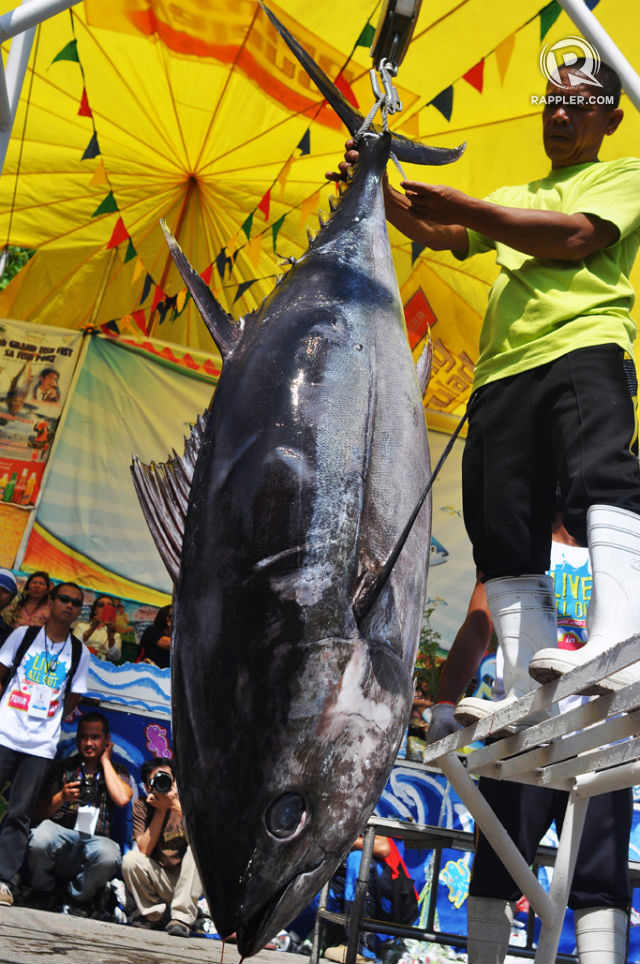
(284, 815)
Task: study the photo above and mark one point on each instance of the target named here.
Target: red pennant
(188, 361)
(210, 368)
(118, 235)
(84, 110)
(206, 274)
(158, 296)
(475, 76)
(168, 354)
(345, 88)
(264, 204)
(140, 320)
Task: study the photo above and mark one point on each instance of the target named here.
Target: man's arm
(117, 788)
(161, 803)
(542, 234)
(438, 237)
(4, 672)
(71, 702)
(469, 646)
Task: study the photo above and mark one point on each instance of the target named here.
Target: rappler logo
(567, 53)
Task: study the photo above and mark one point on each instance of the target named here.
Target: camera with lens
(85, 792)
(161, 782)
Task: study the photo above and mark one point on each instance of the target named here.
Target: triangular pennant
(246, 227)
(158, 296)
(107, 206)
(254, 248)
(242, 288)
(222, 261)
(69, 52)
(118, 235)
(264, 204)
(130, 253)
(146, 288)
(99, 175)
(304, 144)
(345, 88)
(210, 368)
(411, 127)
(140, 319)
(548, 16)
(308, 206)
(592, 3)
(284, 174)
(475, 76)
(416, 250)
(92, 149)
(84, 110)
(275, 228)
(504, 53)
(162, 309)
(366, 37)
(206, 274)
(138, 268)
(444, 102)
(181, 300)
(110, 328)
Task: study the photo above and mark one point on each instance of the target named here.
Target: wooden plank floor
(32, 937)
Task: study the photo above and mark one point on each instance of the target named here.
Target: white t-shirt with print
(31, 706)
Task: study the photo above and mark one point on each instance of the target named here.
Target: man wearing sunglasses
(43, 674)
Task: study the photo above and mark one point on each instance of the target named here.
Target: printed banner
(36, 368)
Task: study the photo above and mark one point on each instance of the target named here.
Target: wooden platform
(32, 936)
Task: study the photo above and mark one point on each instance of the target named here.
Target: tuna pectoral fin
(220, 324)
(402, 147)
(163, 490)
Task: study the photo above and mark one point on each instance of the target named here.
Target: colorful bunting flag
(366, 37)
(69, 52)
(284, 174)
(475, 76)
(504, 53)
(130, 253)
(246, 227)
(137, 270)
(146, 288)
(221, 263)
(264, 204)
(411, 127)
(206, 274)
(92, 148)
(307, 207)
(158, 296)
(107, 206)
(181, 300)
(548, 16)
(140, 319)
(275, 228)
(254, 248)
(99, 175)
(162, 309)
(84, 110)
(304, 145)
(110, 328)
(242, 288)
(118, 235)
(444, 102)
(345, 88)
(416, 250)
(592, 3)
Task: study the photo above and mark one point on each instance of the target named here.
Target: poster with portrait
(36, 367)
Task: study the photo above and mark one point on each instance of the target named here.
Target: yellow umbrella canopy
(196, 112)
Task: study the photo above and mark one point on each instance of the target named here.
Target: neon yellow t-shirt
(539, 310)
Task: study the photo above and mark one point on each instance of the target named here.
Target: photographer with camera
(73, 845)
(160, 871)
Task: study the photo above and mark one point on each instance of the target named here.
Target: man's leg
(148, 883)
(525, 813)
(28, 774)
(51, 850)
(188, 890)
(100, 860)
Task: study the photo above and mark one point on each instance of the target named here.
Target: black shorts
(570, 422)
(601, 877)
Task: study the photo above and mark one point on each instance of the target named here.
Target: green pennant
(366, 37)
(246, 227)
(131, 252)
(548, 16)
(275, 228)
(70, 52)
(107, 206)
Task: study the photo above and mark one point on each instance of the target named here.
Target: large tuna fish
(300, 580)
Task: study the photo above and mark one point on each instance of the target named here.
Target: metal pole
(595, 33)
(30, 14)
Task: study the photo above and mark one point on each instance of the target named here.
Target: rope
(22, 136)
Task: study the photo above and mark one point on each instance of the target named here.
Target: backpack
(27, 639)
(395, 893)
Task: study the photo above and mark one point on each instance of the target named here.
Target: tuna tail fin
(402, 147)
(163, 491)
(220, 324)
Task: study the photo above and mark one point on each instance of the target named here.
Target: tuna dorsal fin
(401, 146)
(220, 324)
(424, 363)
(163, 489)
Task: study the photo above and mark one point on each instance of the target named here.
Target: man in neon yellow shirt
(554, 388)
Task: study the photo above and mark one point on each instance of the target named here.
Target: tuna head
(292, 781)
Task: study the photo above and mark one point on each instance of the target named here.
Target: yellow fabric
(201, 140)
(541, 309)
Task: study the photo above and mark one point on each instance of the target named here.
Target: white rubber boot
(523, 610)
(601, 935)
(489, 921)
(614, 611)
